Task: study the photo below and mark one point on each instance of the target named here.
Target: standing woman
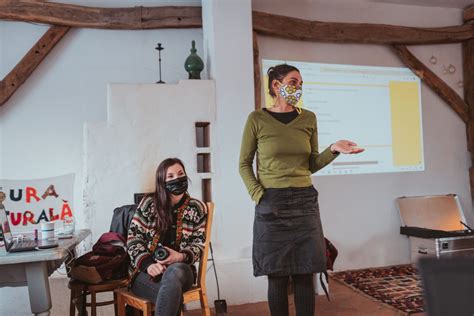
(177, 221)
(287, 236)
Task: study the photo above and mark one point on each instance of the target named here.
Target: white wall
(143, 128)
(42, 123)
(228, 46)
(358, 211)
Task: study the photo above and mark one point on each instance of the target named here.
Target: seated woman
(169, 217)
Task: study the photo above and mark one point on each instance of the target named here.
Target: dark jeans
(167, 293)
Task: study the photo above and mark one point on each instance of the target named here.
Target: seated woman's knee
(179, 271)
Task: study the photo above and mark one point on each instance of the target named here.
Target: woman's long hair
(161, 196)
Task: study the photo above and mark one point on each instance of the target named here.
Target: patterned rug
(397, 286)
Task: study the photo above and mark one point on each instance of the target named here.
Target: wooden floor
(344, 302)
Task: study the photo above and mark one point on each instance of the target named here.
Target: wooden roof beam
(316, 31)
(468, 13)
(135, 18)
(30, 61)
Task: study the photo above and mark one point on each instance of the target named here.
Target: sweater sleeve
(137, 240)
(248, 148)
(194, 245)
(318, 160)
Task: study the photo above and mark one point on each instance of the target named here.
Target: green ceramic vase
(194, 64)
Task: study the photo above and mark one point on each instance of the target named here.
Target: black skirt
(287, 233)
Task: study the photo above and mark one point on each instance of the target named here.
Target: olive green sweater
(287, 153)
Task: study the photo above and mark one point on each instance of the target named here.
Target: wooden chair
(80, 290)
(196, 293)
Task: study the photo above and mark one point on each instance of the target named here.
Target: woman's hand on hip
(174, 256)
(155, 269)
(346, 147)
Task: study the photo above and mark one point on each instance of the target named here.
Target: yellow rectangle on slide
(406, 123)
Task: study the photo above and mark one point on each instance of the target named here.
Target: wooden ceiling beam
(135, 18)
(30, 61)
(433, 81)
(468, 13)
(316, 31)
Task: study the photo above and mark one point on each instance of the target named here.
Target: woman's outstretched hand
(346, 147)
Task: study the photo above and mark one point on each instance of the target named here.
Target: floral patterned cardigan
(144, 235)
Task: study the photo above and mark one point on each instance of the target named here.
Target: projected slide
(377, 107)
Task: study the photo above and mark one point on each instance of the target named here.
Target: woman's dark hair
(161, 196)
(278, 72)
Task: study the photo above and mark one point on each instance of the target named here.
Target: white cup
(47, 230)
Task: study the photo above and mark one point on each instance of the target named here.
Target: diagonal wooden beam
(433, 81)
(316, 31)
(30, 61)
(135, 18)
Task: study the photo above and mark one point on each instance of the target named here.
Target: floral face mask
(292, 94)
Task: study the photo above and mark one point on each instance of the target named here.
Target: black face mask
(177, 186)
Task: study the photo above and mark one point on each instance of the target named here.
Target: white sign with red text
(31, 202)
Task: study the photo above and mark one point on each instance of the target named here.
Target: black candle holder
(159, 48)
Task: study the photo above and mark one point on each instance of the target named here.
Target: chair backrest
(201, 277)
(448, 285)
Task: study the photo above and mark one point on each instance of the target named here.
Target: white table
(32, 268)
